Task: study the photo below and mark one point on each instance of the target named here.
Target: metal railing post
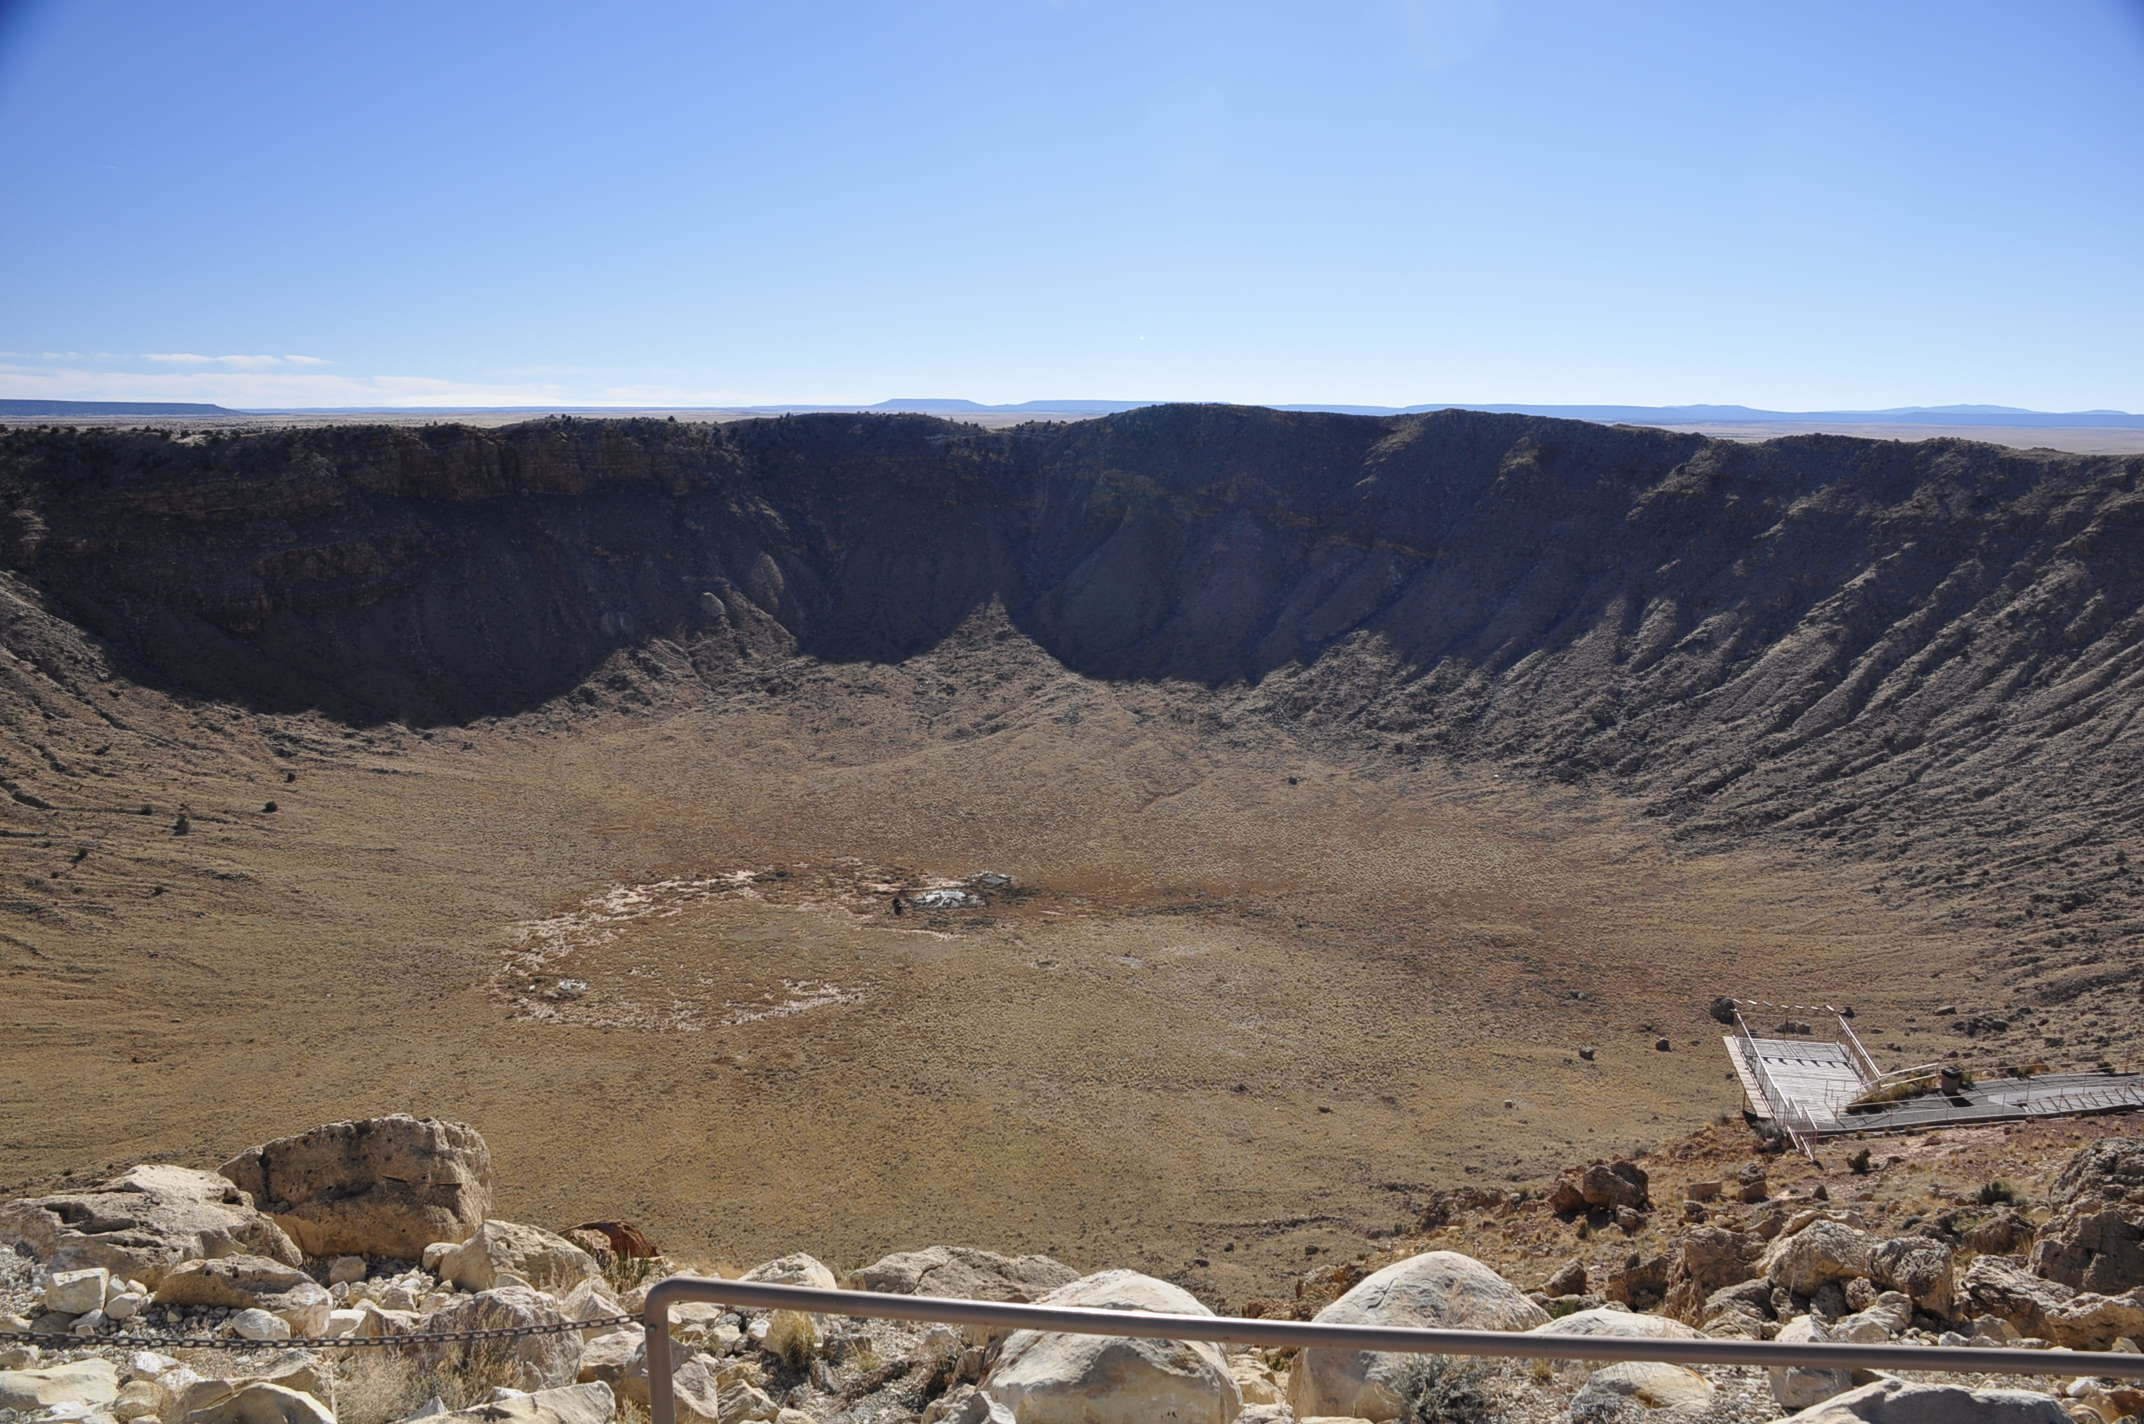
(655, 1319)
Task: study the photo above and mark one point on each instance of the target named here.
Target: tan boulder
(1820, 1252)
(543, 1259)
(1048, 1378)
(250, 1282)
(963, 1271)
(259, 1402)
(139, 1399)
(1893, 1401)
(383, 1186)
(143, 1222)
(190, 1393)
(1629, 1324)
(1705, 1259)
(592, 1300)
(791, 1335)
(2090, 1321)
(793, 1270)
(2094, 1246)
(93, 1382)
(568, 1404)
(1994, 1286)
(608, 1356)
(1917, 1267)
(2109, 1170)
(1799, 1386)
(531, 1362)
(1436, 1289)
(1635, 1388)
(1255, 1380)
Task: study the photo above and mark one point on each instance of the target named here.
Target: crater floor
(1247, 1004)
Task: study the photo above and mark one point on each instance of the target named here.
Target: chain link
(308, 1342)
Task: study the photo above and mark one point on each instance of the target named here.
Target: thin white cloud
(232, 363)
(267, 389)
(296, 382)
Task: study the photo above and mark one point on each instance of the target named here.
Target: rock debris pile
(381, 1228)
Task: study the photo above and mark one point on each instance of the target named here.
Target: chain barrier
(307, 1342)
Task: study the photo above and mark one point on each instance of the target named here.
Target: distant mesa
(1930, 415)
(63, 408)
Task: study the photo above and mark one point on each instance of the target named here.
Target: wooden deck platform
(1818, 1080)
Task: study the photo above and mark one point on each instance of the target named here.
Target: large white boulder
(1799, 1386)
(569, 1404)
(190, 1393)
(1894, 1401)
(1604, 1320)
(530, 1362)
(143, 1222)
(963, 1271)
(1636, 1388)
(250, 1283)
(791, 1335)
(78, 1292)
(543, 1259)
(383, 1186)
(262, 1403)
(92, 1382)
(1820, 1253)
(1046, 1378)
(793, 1270)
(1917, 1267)
(1435, 1290)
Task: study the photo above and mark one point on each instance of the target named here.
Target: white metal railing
(1865, 1063)
(1785, 1111)
(1291, 1334)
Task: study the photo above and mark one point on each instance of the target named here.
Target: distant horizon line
(1969, 414)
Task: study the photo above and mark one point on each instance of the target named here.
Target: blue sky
(1798, 206)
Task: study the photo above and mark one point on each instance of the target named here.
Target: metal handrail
(1783, 1109)
(1868, 1063)
(1286, 1334)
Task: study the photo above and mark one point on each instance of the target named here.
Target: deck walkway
(1818, 1080)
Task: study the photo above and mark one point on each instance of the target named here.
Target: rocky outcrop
(2112, 1170)
(1706, 1259)
(2009, 1292)
(250, 1283)
(537, 1257)
(963, 1271)
(1438, 1288)
(1799, 1386)
(2095, 1242)
(570, 1404)
(144, 1222)
(1638, 1390)
(1601, 1186)
(1045, 1378)
(1917, 1266)
(1897, 1402)
(263, 1403)
(385, 1186)
(526, 1362)
(87, 1382)
(1820, 1253)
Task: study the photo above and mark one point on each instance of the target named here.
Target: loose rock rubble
(195, 1255)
